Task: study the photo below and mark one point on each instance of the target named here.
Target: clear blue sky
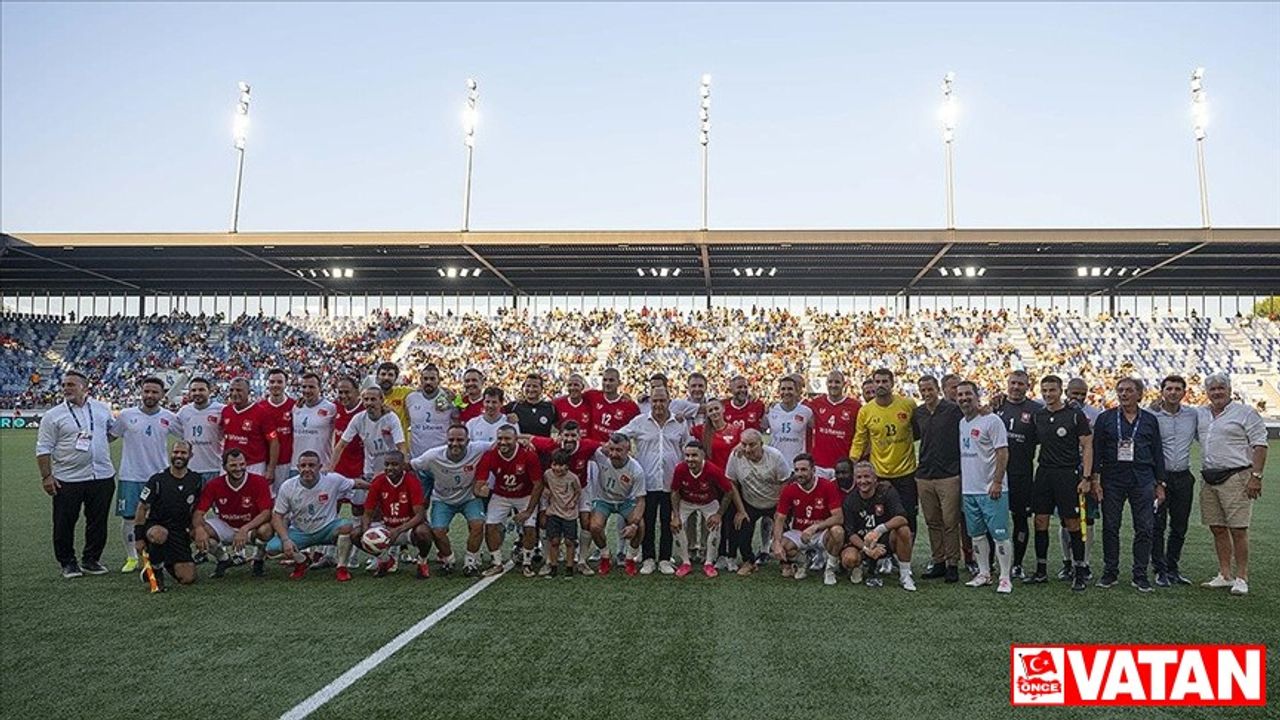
(117, 117)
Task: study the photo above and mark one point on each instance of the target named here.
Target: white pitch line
(348, 678)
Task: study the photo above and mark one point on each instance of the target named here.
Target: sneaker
(300, 570)
(384, 566)
(606, 566)
(855, 575)
(71, 570)
(527, 570)
(709, 570)
(130, 565)
(424, 570)
(648, 567)
(629, 567)
(595, 555)
(908, 583)
(583, 569)
(1016, 573)
(259, 568)
(972, 568)
(323, 562)
(470, 571)
(684, 569)
(1005, 587)
(885, 566)
(1162, 580)
(874, 581)
(200, 557)
(220, 570)
(447, 568)
(829, 576)
(1109, 580)
(568, 571)
(746, 569)
(953, 574)
(494, 569)
(1040, 576)
(816, 562)
(1218, 582)
(1179, 578)
(371, 565)
(666, 568)
(93, 567)
(935, 571)
(1088, 574)
(341, 574)
(1080, 583)
(1068, 572)
(1141, 583)
(979, 580)
(788, 569)
(721, 563)
(801, 571)
(732, 565)
(1240, 587)
(545, 571)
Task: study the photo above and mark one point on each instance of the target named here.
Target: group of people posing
(831, 483)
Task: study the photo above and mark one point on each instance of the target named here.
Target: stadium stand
(24, 339)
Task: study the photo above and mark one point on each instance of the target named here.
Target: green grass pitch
(615, 647)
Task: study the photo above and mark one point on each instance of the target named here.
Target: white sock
(904, 569)
(713, 546)
(344, 550)
(682, 544)
(126, 526)
(1004, 554)
(982, 554)
(219, 552)
(526, 556)
(833, 562)
(472, 559)
(446, 560)
(584, 545)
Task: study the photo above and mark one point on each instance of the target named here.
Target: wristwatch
(1255, 476)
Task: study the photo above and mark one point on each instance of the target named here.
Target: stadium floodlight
(337, 272)
(476, 272)
(451, 272)
(773, 271)
(464, 272)
(239, 134)
(737, 272)
(942, 271)
(640, 272)
(1095, 272)
(675, 272)
(348, 273)
(1200, 121)
(971, 271)
(663, 272)
(949, 111)
(704, 136)
(982, 271)
(469, 119)
(1107, 272)
(440, 271)
(1082, 271)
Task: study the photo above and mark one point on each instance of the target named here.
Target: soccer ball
(376, 539)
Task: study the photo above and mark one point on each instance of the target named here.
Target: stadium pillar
(1111, 305)
(142, 311)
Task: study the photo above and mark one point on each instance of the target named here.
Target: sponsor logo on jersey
(324, 497)
(975, 432)
(1026, 418)
(247, 425)
(902, 416)
(244, 501)
(1138, 675)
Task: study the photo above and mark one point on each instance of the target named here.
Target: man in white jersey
(759, 473)
(484, 428)
(450, 473)
(431, 412)
(200, 423)
(145, 430)
(788, 421)
(306, 515)
(380, 432)
(617, 487)
(313, 419)
(984, 454)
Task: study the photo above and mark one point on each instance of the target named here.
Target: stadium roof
(847, 262)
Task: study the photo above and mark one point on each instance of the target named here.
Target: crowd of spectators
(24, 339)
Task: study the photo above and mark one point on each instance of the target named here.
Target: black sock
(1019, 539)
(1042, 548)
(156, 554)
(1077, 546)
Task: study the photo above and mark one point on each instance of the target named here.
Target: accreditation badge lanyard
(84, 440)
(1124, 448)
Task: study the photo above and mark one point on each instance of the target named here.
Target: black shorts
(558, 527)
(1020, 495)
(1056, 488)
(177, 549)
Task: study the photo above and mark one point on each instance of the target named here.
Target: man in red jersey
(697, 488)
(581, 453)
(277, 408)
(245, 427)
(813, 506)
(573, 407)
(471, 403)
(517, 489)
(397, 497)
(743, 410)
(241, 504)
(835, 417)
(350, 464)
(610, 411)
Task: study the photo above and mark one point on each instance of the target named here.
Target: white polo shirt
(1227, 441)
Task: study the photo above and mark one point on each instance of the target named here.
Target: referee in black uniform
(535, 415)
(163, 523)
(1066, 445)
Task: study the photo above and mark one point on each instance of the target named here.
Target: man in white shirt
(484, 428)
(789, 422)
(1233, 441)
(449, 471)
(313, 419)
(660, 441)
(380, 432)
(145, 430)
(200, 423)
(74, 458)
(431, 412)
(759, 472)
(306, 515)
(984, 455)
(617, 487)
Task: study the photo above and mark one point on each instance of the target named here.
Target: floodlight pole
(704, 139)
(948, 138)
(240, 131)
(469, 139)
(1200, 120)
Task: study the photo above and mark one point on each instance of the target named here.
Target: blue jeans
(1140, 493)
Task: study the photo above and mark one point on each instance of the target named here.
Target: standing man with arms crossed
(1177, 432)
(1066, 446)
(1017, 411)
(74, 458)
(145, 431)
(984, 454)
(247, 429)
(884, 436)
(835, 420)
(937, 424)
(1234, 440)
(200, 423)
(313, 419)
(431, 411)
(660, 441)
(277, 408)
(610, 410)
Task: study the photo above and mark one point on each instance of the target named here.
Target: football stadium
(625, 473)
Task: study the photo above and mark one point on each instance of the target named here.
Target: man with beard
(145, 430)
(1017, 412)
(241, 505)
(431, 412)
(450, 476)
(162, 524)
